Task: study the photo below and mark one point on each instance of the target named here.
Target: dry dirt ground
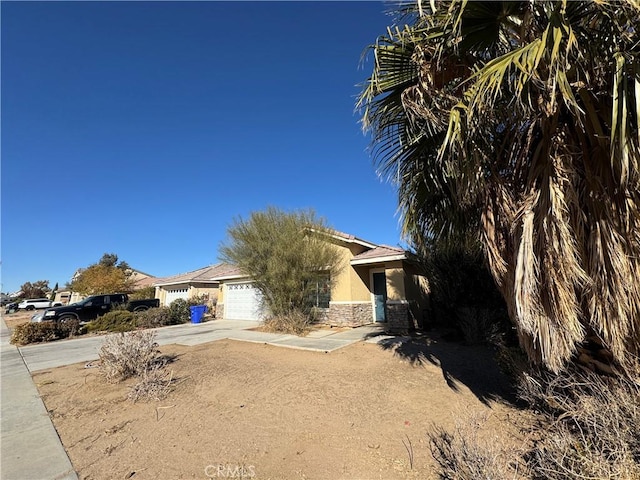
(243, 410)
(16, 318)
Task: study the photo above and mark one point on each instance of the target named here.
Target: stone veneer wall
(321, 316)
(399, 317)
(349, 314)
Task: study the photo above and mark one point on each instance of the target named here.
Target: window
(320, 293)
(101, 300)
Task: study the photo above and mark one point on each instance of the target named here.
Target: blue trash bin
(197, 312)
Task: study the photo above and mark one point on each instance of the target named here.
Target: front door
(380, 296)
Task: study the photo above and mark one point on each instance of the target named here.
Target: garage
(242, 301)
(175, 294)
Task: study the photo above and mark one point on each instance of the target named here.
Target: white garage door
(242, 301)
(175, 294)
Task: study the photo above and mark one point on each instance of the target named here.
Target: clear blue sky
(143, 129)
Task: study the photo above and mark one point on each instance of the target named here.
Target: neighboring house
(378, 283)
(64, 296)
(141, 280)
(198, 283)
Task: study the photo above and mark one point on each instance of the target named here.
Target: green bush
(180, 311)
(114, 321)
(153, 318)
(143, 293)
(26, 333)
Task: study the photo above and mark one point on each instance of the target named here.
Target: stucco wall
(417, 288)
(395, 274)
(194, 290)
(63, 296)
(211, 292)
(350, 284)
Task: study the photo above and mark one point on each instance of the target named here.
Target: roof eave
(180, 282)
(231, 277)
(341, 238)
(387, 258)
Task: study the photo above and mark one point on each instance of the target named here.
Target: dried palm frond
(517, 123)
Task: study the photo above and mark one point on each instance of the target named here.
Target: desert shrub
(199, 300)
(26, 333)
(586, 426)
(125, 355)
(155, 384)
(465, 454)
(153, 317)
(293, 322)
(591, 424)
(114, 321)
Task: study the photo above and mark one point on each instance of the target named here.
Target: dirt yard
(258, 411)
(16, 318)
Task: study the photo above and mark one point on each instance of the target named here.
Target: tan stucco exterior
(63, 296)
(352, 301)
(395, 275)
(210, 291)
(417, 288)
(351, 285)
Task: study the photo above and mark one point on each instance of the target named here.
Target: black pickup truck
(92, 307)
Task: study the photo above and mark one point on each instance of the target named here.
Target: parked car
(92, 307)
(11, 307)
(34, 303)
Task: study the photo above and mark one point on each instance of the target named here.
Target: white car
(34, 303)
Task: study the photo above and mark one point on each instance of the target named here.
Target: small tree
(286, 254)
(106, 276)
(142, 293)
(38, 289)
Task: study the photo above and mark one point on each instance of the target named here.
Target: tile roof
(145, 282)
(232, 272)
(205, 274)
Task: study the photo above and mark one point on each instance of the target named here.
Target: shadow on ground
(471, 365)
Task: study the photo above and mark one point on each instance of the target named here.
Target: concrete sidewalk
(66, 352)
(30, 448)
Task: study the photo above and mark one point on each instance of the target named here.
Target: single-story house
(63, 296)
(197, 283)
(379, 283)
(140, 279)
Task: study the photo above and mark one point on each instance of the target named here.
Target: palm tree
(517, 123)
